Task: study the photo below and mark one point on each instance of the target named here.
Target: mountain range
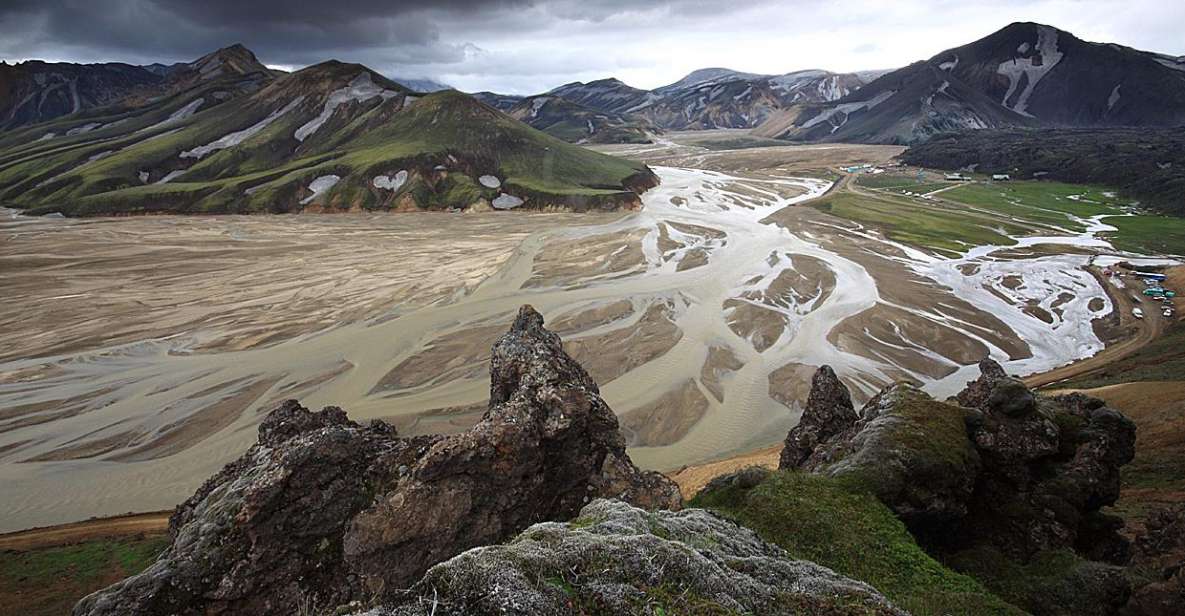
(224, 134)
(1024, 75)
(704, 99)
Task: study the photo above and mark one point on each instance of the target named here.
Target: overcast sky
(527, 46)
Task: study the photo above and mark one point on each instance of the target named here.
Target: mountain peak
(705, 75)
(233, 59)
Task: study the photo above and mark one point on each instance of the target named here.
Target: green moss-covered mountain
(330, 137)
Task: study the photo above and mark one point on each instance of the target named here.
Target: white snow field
(320, 186)
(361, 88)
(237, 137)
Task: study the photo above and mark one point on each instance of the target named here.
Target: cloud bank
(527, 46)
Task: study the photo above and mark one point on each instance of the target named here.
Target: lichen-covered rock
(912, 451)
(323, 511)
(617, 559)
(828, 412)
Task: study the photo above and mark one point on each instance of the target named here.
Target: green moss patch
(49, 581)
(831, 523)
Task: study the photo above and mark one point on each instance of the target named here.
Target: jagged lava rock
(617, 559)
(828, 412)
(323, 511)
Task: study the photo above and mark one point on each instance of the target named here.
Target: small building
(957, 177)
(1001, 177)
(1150, 275)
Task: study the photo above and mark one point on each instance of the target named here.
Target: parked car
(1137, 313)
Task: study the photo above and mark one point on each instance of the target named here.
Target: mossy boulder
(839, 524)
(912, 451)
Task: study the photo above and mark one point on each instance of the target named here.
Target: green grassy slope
(49, 581)
(443, 142)
(838, 526)
(987, 213)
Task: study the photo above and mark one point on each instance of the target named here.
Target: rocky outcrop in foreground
(997, 469)
(324, 511)
(1160, 555)
(617, 559)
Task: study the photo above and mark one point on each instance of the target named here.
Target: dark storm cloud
(279, 31)
(526, 46)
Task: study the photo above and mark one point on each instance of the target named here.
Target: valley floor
(139, 355)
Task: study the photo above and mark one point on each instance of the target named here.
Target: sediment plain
(138, 355)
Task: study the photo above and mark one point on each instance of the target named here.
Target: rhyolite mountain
(330, 137)
(35, 91)
(704, 99)
(577, 123)
(1024, 75)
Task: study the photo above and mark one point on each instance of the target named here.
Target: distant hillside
(333, 136)
(1144, 163)
(35, 91)
(713, 98)
(1025, 75)
(576, 123)
(704, 99)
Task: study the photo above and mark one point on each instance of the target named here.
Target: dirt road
(155, 523)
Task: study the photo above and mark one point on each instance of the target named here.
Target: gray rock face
(828, 412)
(323, 511)
(617, 559)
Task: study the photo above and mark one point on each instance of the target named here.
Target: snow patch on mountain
(85, 128)
(319, 186)
(847, 109)
(360, 89)
(170, 176)
(181, 114)
(237, 137)
(950, 65)
(391, 182)
(1114, 98)
(506, 202)
(1028, 67)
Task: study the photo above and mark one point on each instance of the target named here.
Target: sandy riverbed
(138, 355)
